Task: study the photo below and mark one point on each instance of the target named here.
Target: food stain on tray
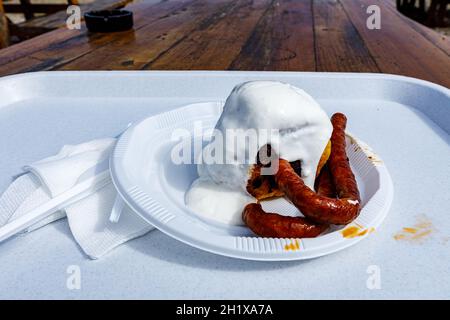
(355, 231)
(354, 143)
(294, 246)
(358, 145)
(373, 158)
(416, 233)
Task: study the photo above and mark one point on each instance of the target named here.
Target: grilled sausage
(321, 208)
(276, 226)
(317, 207)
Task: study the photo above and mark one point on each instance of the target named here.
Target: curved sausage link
(324, 183)
(276, 226)
(319, 208)
(339, 165)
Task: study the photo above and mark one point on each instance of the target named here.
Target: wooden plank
(142, 15)
(239, 34)
(215, 44)
(396, 47)
(24, 64)
(63, 45)
(40, 42)
(80, 47)
(339, 47)
(58, 19)
(440, 40)
(283, 39)
(40, 8)
(136, 50)
(25, 33)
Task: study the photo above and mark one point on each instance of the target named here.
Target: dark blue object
(108, 20)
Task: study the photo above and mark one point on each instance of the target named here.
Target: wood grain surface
(58, 19)
(283, 35)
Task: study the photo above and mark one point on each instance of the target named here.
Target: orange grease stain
(417, 233)
(421, 235)
(410, 230)
(399, 237)
(354, 231)
(292, 246)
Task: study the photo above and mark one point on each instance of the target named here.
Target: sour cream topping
(269, 112)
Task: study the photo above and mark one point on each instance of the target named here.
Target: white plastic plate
(151, 184)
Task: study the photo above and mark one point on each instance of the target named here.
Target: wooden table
(309, 35)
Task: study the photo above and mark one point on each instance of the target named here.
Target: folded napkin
(89, 217)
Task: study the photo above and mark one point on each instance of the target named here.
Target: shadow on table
(158, 245)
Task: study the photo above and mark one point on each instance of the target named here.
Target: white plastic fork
(76, 193)
(117, 209)
(119, 204)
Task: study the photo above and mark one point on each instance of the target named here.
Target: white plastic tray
(155, 188)
(407, 121)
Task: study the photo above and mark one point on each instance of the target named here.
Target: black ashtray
(108, 20)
